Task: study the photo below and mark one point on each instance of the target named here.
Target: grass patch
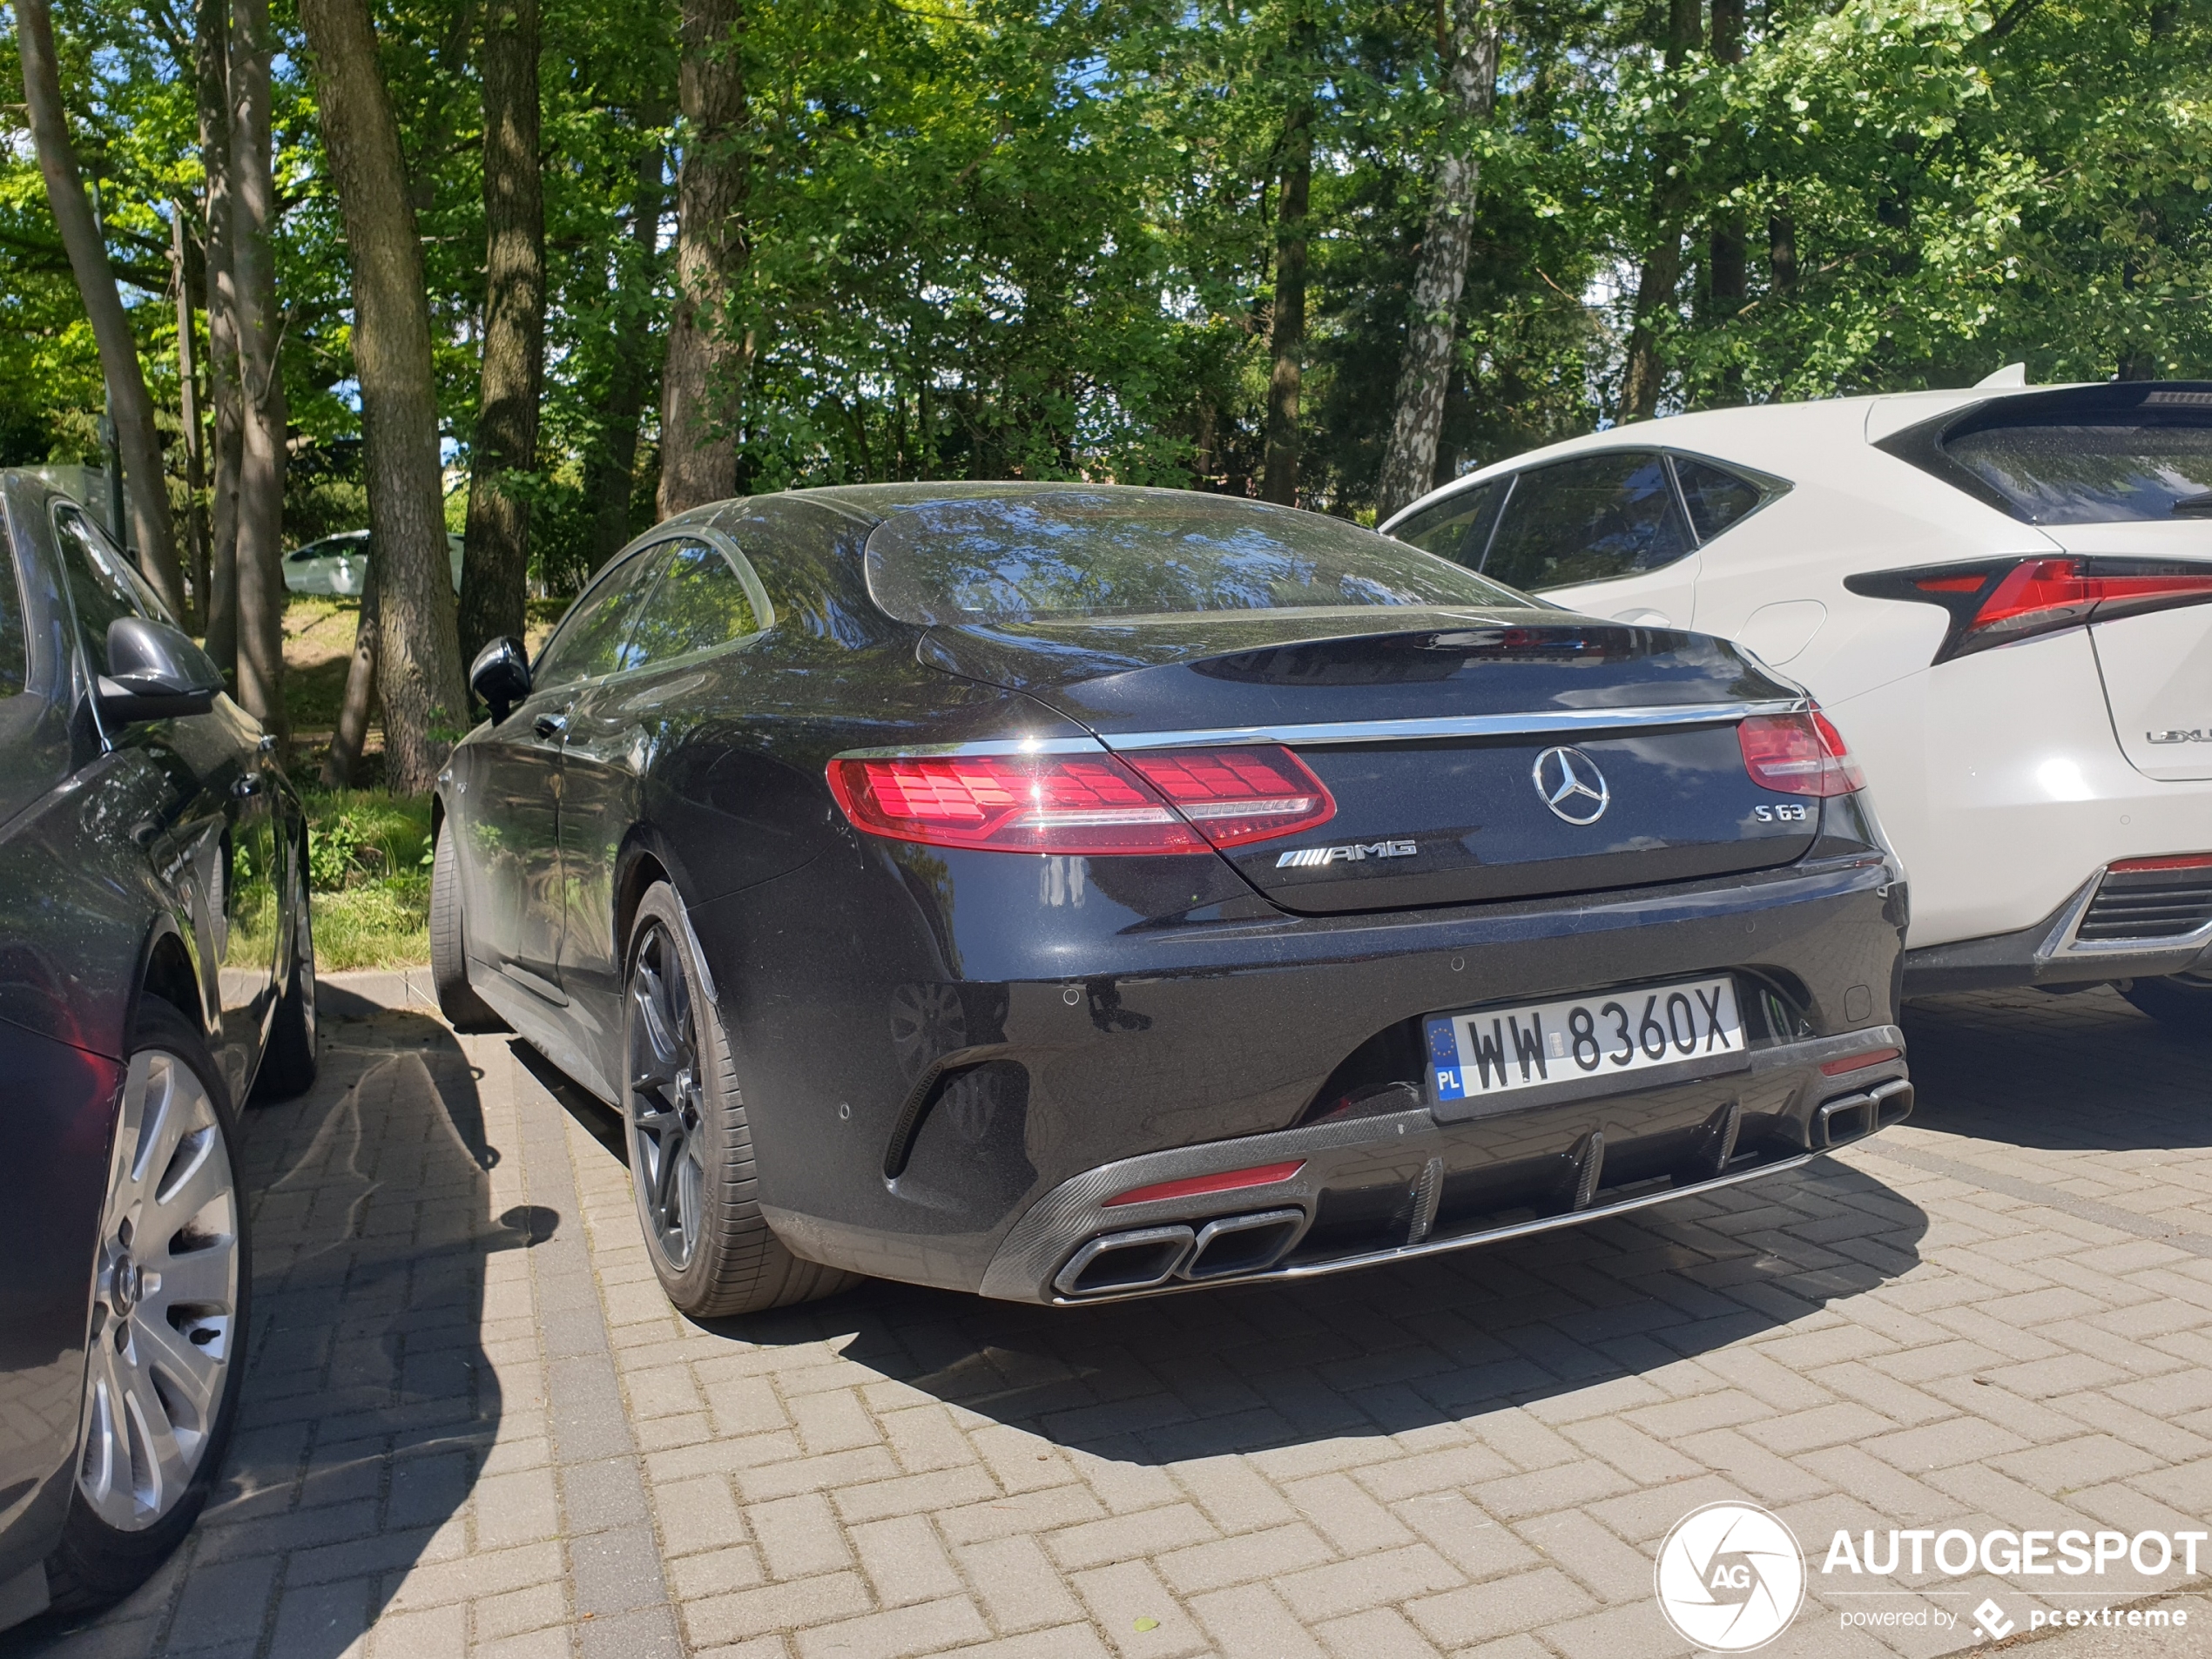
(368, 865)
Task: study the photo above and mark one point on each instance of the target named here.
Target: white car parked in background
(338, 563)
(2003, 598)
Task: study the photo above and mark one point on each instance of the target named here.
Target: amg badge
(1305, 857)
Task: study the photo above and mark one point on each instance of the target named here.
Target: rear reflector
(1266, 1175)
(1798, 754)
(1858, 1062)
(1170, 801)
(2006, 599)
(2176, 861)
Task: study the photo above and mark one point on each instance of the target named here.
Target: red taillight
(2174, 861)
(1798, 754)
(1236, 795)
(1266, 1175)
(1997, 603)
(1181, 801)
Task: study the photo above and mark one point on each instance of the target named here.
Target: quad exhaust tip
(1854, 1117)
(1146, 1258)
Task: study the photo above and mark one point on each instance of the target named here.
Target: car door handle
(549, 726)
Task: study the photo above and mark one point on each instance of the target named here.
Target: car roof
(1832, 437)
(872, 503)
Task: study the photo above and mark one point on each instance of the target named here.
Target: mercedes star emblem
(1572, 785)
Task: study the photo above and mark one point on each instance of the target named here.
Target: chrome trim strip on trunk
(1426, 728)
(987, 746)
(1541, 722)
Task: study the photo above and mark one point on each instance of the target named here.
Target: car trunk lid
(2157, 664)
(1470, 759)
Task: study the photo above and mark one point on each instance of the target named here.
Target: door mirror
(501, 676)
(155, 673)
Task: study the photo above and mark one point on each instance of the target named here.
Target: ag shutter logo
(1730, 1577)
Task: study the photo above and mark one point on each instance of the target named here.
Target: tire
(689, 1140)
(457, 1001)
(288, 1064)
(2182, 1002)
(128, 1512)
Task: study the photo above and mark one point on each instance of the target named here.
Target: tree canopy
(1037, 239)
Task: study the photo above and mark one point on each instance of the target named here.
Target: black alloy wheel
(458, 998)
(689, 1141)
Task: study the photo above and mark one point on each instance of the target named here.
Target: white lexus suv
(2002, 595)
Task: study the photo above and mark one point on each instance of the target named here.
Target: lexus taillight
(1168, 801)
(1995, 602)
(1798, 754)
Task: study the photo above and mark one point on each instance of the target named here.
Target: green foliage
(999, 238)
(369, 856)
(358, 838)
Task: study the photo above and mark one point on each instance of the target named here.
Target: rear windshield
(1066, 555)
(2092, 466)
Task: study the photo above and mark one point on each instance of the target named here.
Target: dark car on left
(156, 967)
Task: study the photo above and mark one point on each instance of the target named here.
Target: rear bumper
(1064, 1047)
(2054, 952)
(1400, 1185)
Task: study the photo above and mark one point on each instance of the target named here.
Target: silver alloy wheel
(164, 1298)
(666, 1100)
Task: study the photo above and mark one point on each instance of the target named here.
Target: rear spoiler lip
(1564, 723)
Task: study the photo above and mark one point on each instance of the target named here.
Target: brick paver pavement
(474, 1426)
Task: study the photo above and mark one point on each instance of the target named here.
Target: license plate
(1486, 1052)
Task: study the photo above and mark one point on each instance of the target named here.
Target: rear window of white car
(2096, 454)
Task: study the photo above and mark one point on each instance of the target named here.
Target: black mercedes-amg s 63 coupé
(1066, 893)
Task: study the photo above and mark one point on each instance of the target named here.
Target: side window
(102, 584)
(1716, 497)
(594, 638)
(702, 600)
(1458, 527)
(1588, 520)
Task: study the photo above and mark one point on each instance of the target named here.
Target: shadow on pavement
(2087, 1072)
(1443, 1340)
(369, 1402)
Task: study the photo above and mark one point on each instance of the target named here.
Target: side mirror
(501, 676)
(154, 673)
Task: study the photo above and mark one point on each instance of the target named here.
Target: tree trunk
(706, 360)
(150, 529)
(495, 558)
(1782, 251)
(609, 468)
(1468, 49)
(418, 644)
(1286, 326)
(188, 414)
(1725, 256)
(340, 768)
(262, 454)
(212, 68)
(1660, 274)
